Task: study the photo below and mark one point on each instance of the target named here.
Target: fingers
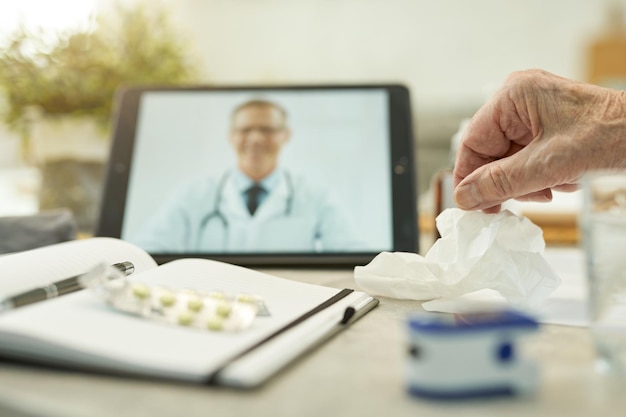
(517, 176)
(499, 129)
(487, 186)
(528, 175)
(483, 142)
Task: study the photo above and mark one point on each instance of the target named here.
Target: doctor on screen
(255, 207)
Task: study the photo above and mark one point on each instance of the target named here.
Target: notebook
(81, 331)
(336, 164)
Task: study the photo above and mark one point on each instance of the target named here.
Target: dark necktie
(254, 193)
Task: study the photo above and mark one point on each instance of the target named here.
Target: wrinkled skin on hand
(538, 133)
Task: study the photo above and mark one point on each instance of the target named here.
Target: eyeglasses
(263, 130)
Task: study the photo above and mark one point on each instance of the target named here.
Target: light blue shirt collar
(243, 182)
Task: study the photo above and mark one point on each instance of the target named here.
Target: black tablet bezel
(405, 231)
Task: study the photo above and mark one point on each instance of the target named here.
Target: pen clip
(347, 315)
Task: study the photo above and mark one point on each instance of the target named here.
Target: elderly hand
(539, 132)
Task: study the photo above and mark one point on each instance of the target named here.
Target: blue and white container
(469, 355)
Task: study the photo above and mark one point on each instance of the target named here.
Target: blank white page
(29, 269)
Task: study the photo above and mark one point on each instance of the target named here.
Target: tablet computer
(280, 175)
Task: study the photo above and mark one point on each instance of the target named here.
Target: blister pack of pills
(216, 311)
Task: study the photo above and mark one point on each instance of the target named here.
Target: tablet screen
(263, 175)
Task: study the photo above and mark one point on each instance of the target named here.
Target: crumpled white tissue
(502, 252)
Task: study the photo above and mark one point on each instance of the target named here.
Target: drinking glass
(603, 223)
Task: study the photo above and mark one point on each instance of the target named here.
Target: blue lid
(470, 322)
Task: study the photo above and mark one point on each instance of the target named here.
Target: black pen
(54, 289)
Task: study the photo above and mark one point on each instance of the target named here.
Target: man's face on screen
(257, 134)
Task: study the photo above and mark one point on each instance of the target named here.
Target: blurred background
(61, 61)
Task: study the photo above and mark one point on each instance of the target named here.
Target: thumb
(494, 183)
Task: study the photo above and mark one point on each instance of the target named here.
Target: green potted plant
(58, 90)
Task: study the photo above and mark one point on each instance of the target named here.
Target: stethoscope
(216, 212)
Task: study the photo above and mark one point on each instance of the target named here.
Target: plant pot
(71, 152)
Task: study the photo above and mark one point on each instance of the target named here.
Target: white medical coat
(202, 218)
